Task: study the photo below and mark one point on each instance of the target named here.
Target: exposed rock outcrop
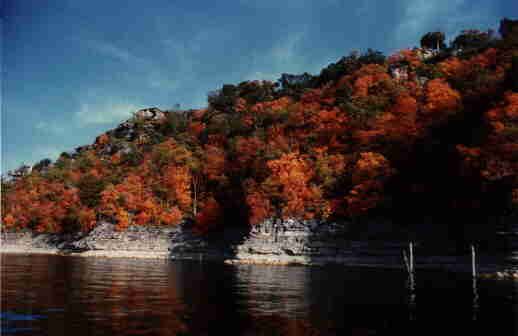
(152, 113)
(274, 241)
(313, 242)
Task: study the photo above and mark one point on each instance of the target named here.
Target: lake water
(55, 295)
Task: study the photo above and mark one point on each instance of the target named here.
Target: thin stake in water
(473, 266)
(411, 258)
(474, 277)
(409, 265)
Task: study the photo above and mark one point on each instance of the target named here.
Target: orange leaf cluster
(369, 173)
(209, 218)
(177, 181)
(440, 98)
(195, 128)
(290, 176)
(50, 204)
(408, 55)
(215, 162)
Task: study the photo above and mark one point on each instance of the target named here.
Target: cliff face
(277, 242)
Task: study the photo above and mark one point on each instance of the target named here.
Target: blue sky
(72, 69)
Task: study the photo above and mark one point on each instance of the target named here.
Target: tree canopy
(400, 136)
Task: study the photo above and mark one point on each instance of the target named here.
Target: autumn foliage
(438, 132)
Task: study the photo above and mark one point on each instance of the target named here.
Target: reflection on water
(91, 296)
(51, 295)
(260, 287)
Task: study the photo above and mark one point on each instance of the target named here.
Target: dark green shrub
(90, 188)
(42, 164)
(433, 40)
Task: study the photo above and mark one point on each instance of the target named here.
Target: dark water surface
(54, 295)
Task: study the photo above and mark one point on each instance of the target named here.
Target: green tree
(42, 164)
(508, 28)
(472, 39)
(433, 40)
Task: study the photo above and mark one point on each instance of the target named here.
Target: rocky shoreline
(274, 242)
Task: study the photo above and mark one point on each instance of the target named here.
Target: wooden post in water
(409, 265)
(411, 258)
(475, 299)
(412, 268)
(473, 266)
(474, 278)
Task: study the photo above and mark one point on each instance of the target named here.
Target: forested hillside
(429, 131)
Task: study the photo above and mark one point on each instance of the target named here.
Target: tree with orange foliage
(87, 219)
(130, 198)
(453, 67)
(406, 57)
(441, 100)
(195, 128)
(514, 196)
(497, 159)
(330, 123)
(209, 218)
(170, 216)
(289, 183)
(177, 181)
(248, 150)
(398, 124)
(259, 205)
(51, 203)
(215, 161)
(329, 169)
(368, 177)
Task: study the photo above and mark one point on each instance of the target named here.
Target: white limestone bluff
(274, 242)
(151, 113)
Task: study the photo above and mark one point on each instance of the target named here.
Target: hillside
(427, 132)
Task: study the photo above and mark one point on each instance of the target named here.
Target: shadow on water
(217, 245)
(442, 297)
(336, 300)
(51, 295)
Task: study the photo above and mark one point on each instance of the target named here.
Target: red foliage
(441, 100)
(177, 181)
(215, 161)
(209, 218)
(369, 174)
(195, 128)
(260, 207)
(330, 152)
(289, 180)
(50, 204)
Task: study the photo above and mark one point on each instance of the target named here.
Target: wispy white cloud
(144, 70)
(285, 55)
(118, 53)
(104, 112)
(94, 107)
(184, 53)
(188, 57)
(285, 50)
(51, 127)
